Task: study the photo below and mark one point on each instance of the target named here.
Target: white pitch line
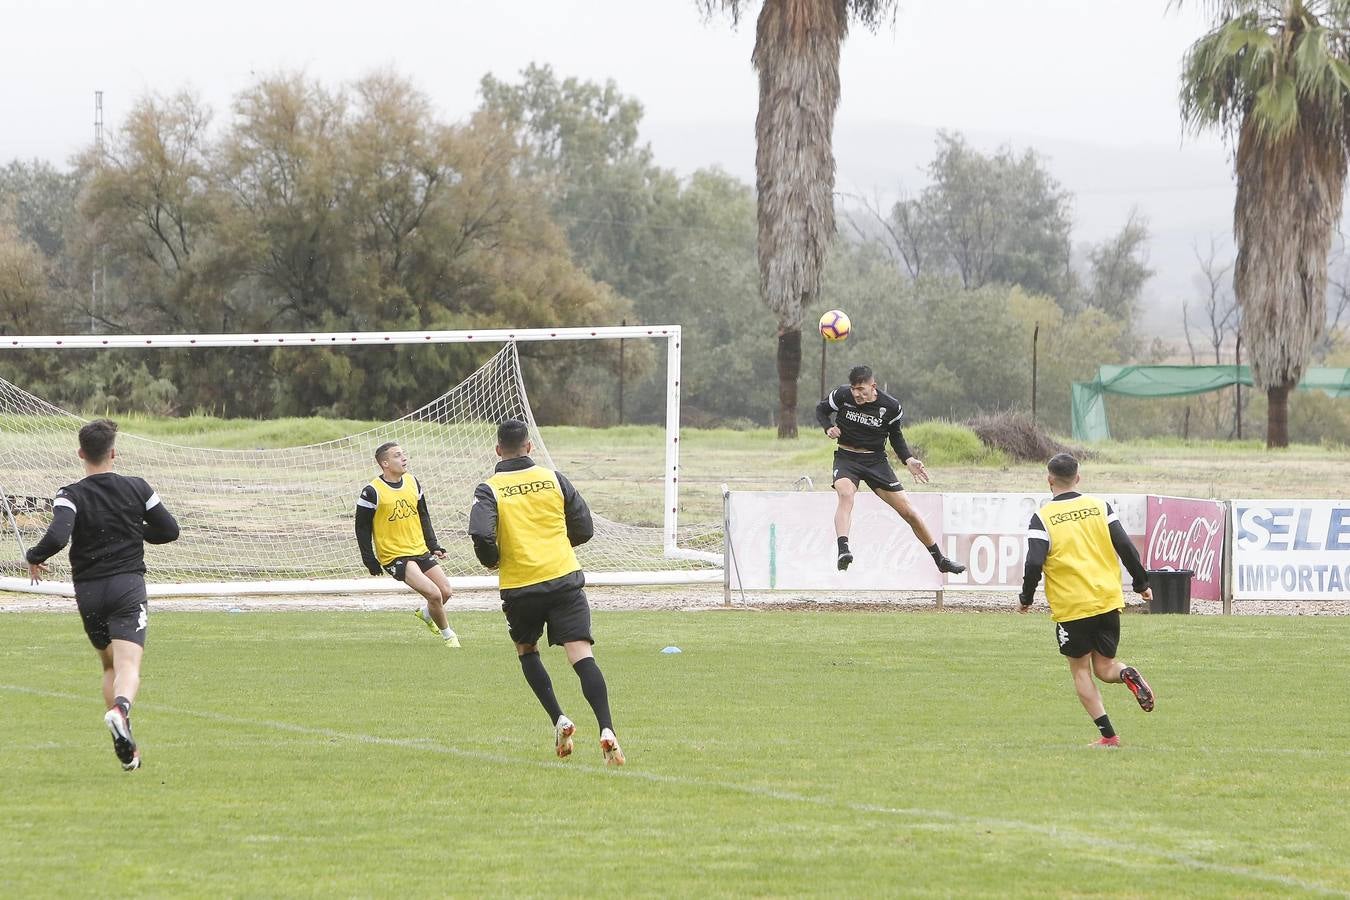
(1055, 833)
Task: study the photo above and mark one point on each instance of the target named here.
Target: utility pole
(98, 272)
(1035, 336)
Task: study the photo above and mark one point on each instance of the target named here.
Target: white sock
(425, 613)
(447, 632)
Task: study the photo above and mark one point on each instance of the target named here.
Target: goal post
(281, 521)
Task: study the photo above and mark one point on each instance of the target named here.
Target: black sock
(1104, 726)
(537, 678)
(593, 688)
(843, 543)
(933, 549)
(123, 702)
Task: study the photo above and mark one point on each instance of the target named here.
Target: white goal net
(282, 520)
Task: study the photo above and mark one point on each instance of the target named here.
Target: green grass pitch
(781, 753)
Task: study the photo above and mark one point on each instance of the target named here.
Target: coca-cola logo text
(1190, 548)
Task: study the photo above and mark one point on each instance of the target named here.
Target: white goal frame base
(343, 586)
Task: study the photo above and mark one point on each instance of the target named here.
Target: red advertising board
(1187, 534)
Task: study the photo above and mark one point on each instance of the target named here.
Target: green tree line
(311, 208)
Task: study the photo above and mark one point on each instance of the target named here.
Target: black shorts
(399, 567)
(566, 613)
(1095, 633)
(869, 467)
(113, 607)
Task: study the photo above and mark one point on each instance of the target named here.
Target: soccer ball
(834, 325)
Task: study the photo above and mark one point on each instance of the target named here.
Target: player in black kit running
(108, 519)
(863, 419)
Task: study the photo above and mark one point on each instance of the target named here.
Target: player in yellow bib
(393, 530)
(1076, 540)
(524, 522)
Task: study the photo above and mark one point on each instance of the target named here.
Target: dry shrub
(1021, 438)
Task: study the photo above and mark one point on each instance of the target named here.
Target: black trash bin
(1171, 590)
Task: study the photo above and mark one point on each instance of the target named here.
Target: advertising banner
(1187, 534)
(786, 540)
(988, 533)
(1291, 549)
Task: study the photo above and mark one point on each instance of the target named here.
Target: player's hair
(96, 439)
(382, 451)
(1063, 466)
(859, 375)
(512, 435)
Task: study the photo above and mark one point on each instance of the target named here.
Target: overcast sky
(1097, 70)
(1092, 84)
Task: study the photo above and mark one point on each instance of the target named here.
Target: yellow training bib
(397, 527)
(531, 527)
(1082, 572)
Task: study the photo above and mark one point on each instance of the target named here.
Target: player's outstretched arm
(903, 453)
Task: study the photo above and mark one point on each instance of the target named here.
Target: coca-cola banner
(1291, 549)
(1187, 534)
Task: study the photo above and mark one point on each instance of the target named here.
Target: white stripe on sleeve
(62, 501)
(363, 502)
(1038, 535)
(152, 502)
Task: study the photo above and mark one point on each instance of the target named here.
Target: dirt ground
(696, 597)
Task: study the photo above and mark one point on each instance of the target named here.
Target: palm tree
(797, 57)
(1274, 77)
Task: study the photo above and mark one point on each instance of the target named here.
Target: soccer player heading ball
(1075, 539)
(863, 419)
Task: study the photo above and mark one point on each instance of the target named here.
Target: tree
(983, 219)
(38, 230)
(1117, 272)
(155, 204)
(328, 210)
(797, 57)
(280, 162)
(23, 284)
(44, 203)
(1218, 315)
(1072, 346)
(1274, 77)
(582, 148)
